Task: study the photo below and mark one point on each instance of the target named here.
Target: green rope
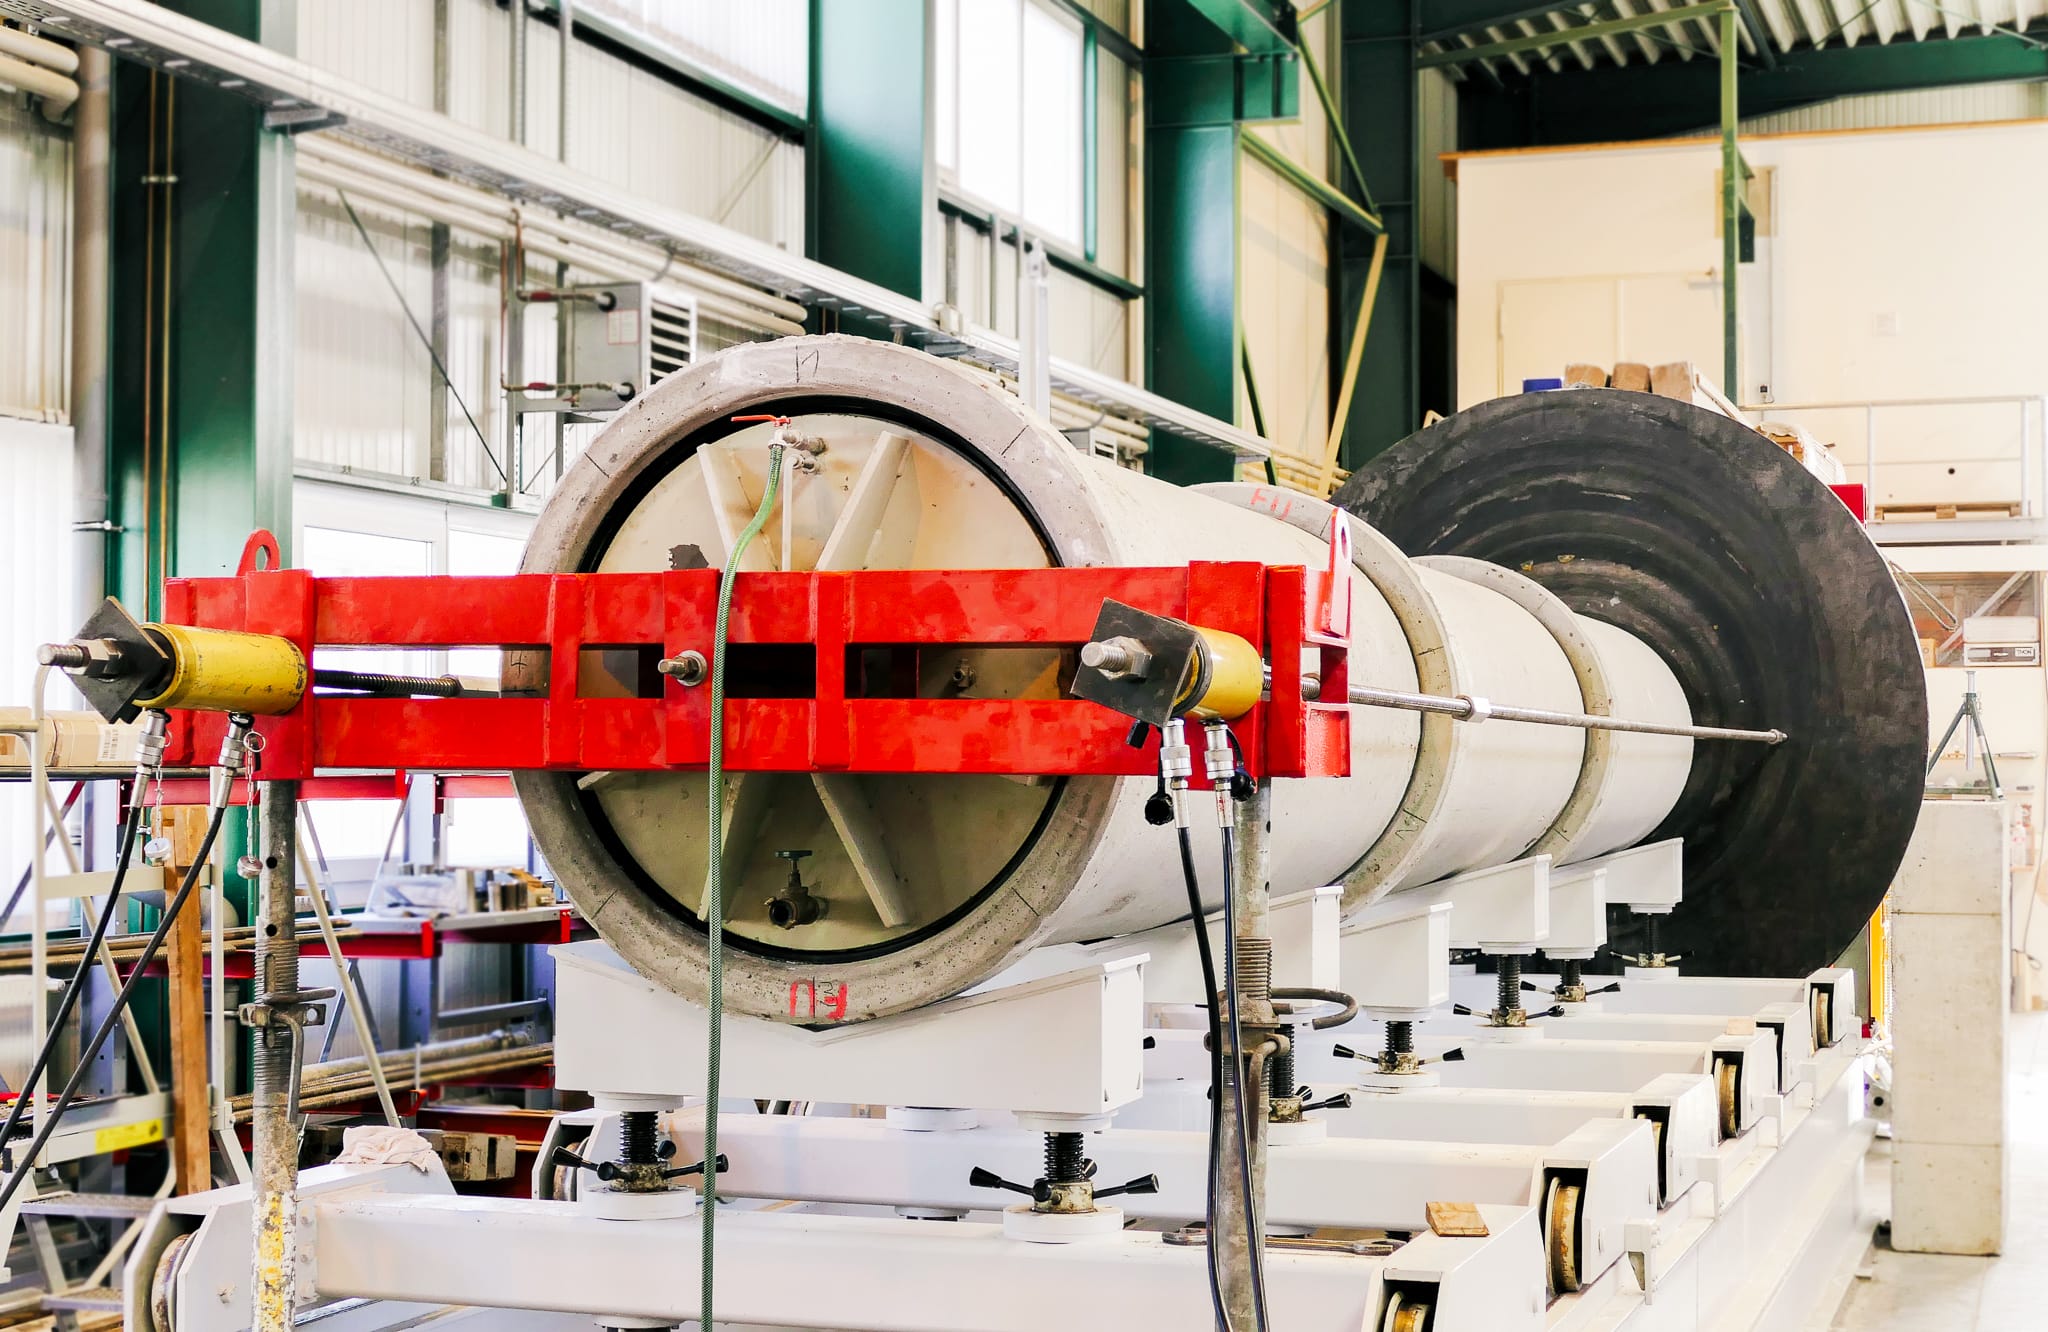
(715, 888)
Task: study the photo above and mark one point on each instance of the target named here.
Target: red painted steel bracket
(837, 722)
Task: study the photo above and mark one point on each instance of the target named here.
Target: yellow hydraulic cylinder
(1226, 678)
(218, 670)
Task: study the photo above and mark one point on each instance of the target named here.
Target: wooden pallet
(1898, 513)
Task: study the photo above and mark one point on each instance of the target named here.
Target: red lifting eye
(778, 420)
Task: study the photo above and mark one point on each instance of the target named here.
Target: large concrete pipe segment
(1762, 593)
(931, 884)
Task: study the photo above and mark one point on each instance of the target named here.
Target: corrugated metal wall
(1436, 236)
(1283, 278)
(35, 600)
(364, 379)
(627, 126)
(1927, 106)
(35, 263)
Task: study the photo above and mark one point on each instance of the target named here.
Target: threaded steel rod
(400, 686)
(1461, 708)
(1508, 990)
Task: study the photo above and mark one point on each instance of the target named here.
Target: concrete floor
(1922, 1292)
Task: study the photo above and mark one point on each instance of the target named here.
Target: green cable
(714, 885)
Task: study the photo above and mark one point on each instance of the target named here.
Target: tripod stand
(1970, 717)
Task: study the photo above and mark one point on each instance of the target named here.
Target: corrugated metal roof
(1788, 25)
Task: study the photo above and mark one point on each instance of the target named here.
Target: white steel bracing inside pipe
(934, 883)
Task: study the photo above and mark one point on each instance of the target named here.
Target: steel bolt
(685, 668)
(1118, 658)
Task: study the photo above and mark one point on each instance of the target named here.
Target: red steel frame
(1278, 608)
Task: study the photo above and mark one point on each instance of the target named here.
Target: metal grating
(298, 97)
(672, 338)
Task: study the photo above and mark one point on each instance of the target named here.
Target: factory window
(344, 530)
(1009, 115)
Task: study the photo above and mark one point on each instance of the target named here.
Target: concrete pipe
(931, 884)
(1755, 587)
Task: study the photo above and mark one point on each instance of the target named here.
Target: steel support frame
(1378, 98)
(967, 1278)
(871, 189)
(832, 727)
(1342, 1181)
(1557, 37)
(1732, 173)
(310, 98)
(1191, 227)
(202, 331)
(1673, 97)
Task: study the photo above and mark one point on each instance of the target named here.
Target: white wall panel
(628, 126)
(1859, 310)
(35, 268)
(1925, 106)
(363, 387)
(1437, 197)
(1117, 152)
(35, 601)
(383, 44)
(1089, 325)
(1283, 297)
(360, 387)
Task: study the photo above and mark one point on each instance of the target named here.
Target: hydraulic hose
(127, 992)
(714, 923)
(72, 988)
(1196, 917)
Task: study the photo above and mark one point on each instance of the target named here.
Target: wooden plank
(1631, 375)
(184, 951)
(1580, 374)
(1459, 1219)
(1673, 379)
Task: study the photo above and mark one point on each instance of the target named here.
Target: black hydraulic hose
(1253, 1237)
(1202, 949)
(106, 1027)
(72, 989)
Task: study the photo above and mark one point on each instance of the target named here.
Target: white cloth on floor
(381, 1144)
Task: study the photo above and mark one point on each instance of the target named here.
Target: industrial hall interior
(1003, 665)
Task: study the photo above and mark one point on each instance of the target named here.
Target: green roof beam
(1675, 98)
(1259, 26)
(1462, 55)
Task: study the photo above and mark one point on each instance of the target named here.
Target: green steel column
(869, 199)
(1731, 209)
(1091, 140)
(1198, 90)
(1378, 96)
(202, 279)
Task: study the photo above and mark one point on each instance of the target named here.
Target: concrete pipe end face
(629, 848)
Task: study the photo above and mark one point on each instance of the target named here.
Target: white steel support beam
(793, 1269)
(1358, 1182)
